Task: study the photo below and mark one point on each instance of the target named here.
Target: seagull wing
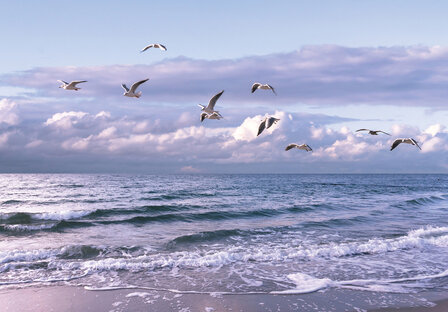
(255, 86)
(203, 116)
(362, 130)
(135, 85)
(290, 146)
(162, 47)
(74, 83)
(308, 148)
(414, 142)
(271, 121)
(383, 132)
(261, 127)
(211, 104)
(147, 47)
(395, 144)
(124, 87)
(272, 88)
(64, 82)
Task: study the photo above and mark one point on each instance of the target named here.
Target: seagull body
(70, 85)
(210, 109)
(266, 124)
(258, 85)
(305, 147)
(407, 140)
(214, 115)
(131, 92)
(372, 132)
(154, 45)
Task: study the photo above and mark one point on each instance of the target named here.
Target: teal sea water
(279, 234)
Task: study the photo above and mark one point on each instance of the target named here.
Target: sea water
(239, 234)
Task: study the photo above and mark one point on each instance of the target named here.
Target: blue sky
(337, 66)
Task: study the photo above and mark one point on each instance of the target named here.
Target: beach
(77, 299)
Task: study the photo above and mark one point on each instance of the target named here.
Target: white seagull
(154, 45)
(305, 147)
(214, 115)
(266, 124)
(258, 85)
(372, 132)
(131, 92)
(407, 140)
(70, 86)
(211, 104)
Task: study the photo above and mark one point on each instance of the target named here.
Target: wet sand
(77, 299)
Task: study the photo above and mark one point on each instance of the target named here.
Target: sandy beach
(77, 299)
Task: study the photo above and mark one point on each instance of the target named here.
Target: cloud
(8, 112)
(80, 141)
(315, 75)
(190, 169)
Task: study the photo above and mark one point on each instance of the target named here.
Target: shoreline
(77, 299)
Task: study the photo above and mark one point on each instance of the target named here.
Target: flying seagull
(266, 124)
(408, 141)
(214, 115)
(258, 85)
(154, 45)
(305, 147)
(210, 109)
(131, 92)
(70, 86)
(372, 132)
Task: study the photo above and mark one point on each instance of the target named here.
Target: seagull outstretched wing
(291, 146)
(212, 102)
(124, 87)
(137, 84)
(255, 87)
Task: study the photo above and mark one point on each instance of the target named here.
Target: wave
(137, 215)
(137, 259)
(305, 283)
(421, 201)
(11, 202)
(204, 237)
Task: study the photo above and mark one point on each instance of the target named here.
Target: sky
(336, 66)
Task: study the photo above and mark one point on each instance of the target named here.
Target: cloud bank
(77, 141)
(315, 75)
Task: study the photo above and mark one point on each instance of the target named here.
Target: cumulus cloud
(8, 112)
(104, 139)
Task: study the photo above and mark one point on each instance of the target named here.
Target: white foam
(27, 255)
(305, 284)
(62, 215)
(138, 294)
(239, 254)
(52, 216)
(28, 227)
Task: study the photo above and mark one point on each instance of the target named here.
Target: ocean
(226, 234)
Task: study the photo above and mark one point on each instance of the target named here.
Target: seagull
(214, 115)
(266, 124)
(154, 45)
(70, 86)
(131, 92)
(305, 147)
(258, 85)
(372, 132)
(211, 104)
(408, 141)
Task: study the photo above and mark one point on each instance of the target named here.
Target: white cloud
(8, 112)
